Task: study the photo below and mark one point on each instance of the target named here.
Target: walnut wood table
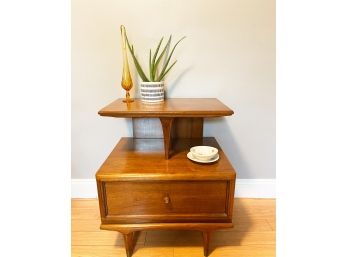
(148, 183)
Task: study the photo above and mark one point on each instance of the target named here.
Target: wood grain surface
(172, 107)
(168, 201)
(132, 159)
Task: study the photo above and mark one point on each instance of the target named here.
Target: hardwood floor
(252, 236)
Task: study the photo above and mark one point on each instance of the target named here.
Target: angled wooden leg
(206, 239)
(129, 243)
(167, 127)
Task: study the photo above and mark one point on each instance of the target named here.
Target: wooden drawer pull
(166, 199)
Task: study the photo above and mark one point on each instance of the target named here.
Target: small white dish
(192, 158)
(204, 153)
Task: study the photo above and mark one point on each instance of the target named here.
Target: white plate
(190, 156)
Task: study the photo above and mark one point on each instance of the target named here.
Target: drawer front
(166, 201)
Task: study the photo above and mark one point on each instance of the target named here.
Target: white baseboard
(255, 188)
(245, 188)
(83, 188)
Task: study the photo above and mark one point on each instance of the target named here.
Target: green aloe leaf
(152, 70)
(150, 61)
(161, 55)
(164, 71)
(137, 65)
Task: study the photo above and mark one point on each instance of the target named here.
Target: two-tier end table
(148, 183)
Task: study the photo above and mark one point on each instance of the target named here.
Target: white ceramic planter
(152, 92)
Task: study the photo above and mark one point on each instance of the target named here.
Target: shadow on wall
(177, 81)
(221, 130)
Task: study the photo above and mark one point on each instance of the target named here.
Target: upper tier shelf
(172, 107)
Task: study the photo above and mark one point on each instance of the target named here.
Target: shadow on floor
(219, 238)
(234, 236)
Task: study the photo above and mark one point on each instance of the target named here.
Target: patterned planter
(152, 92)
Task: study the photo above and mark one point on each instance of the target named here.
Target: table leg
(206, 239)
(129, 243)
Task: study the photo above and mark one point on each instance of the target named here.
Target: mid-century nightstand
(148, 183)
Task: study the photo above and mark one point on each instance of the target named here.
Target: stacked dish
(203, 154)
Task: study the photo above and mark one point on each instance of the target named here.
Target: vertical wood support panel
(166, 127)
(188, 128)
(182, 128)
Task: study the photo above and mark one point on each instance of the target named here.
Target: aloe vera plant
(155, 74)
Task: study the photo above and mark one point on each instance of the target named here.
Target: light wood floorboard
(252, 236)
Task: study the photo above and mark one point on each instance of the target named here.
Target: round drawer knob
(166, 199)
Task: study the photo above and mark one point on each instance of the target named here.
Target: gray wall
(229, 54)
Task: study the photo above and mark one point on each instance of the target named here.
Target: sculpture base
(128, 100)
